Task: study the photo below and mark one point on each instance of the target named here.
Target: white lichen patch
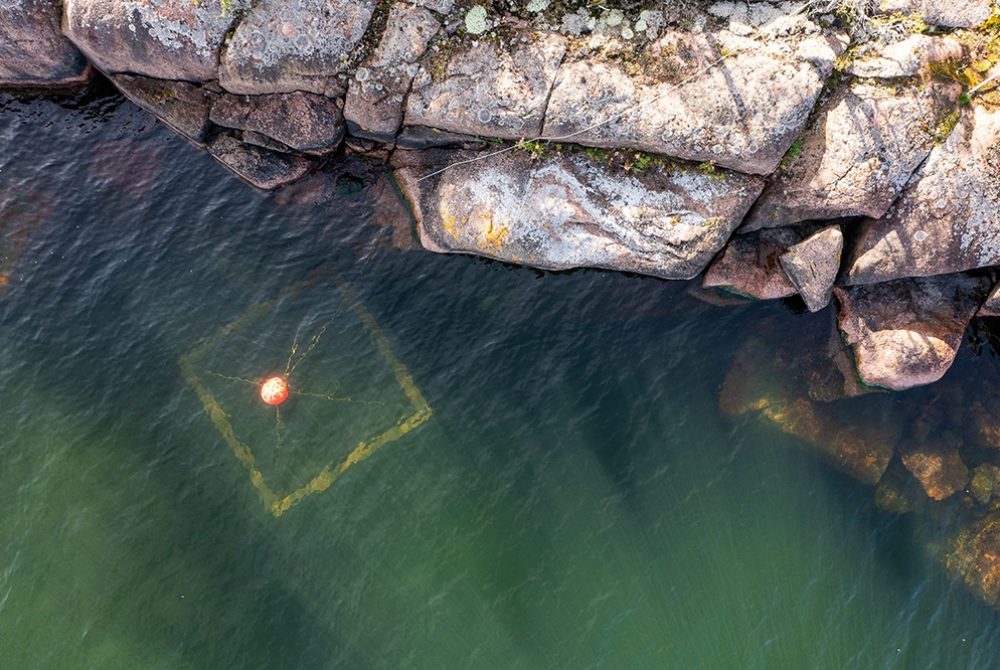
(476, 20)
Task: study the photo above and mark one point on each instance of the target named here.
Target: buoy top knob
(274, 390)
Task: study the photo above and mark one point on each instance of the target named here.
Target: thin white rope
(563, 138)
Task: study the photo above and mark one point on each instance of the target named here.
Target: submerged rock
(180, 105)
(906, 333)
(973, 555)
(378, 89)
(260, 167)
(303, 122)
(487, 89)
(282, 48)
(33, 51)
(733, 100)
(812, 266)
(985, 483)
(948, 217)
(939, 469)
(569, 211)
(749, 265)
(766, 379)
(163, 39)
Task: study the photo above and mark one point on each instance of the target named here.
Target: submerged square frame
(276, 503)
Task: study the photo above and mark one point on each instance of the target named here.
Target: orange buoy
(274, 390)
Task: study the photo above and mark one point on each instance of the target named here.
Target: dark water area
(568, 496)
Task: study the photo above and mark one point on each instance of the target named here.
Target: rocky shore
(842, 152)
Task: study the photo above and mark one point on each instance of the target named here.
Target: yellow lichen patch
(494, 236)
(448, 222)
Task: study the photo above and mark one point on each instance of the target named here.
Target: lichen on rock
(567, 211)
(303, 45)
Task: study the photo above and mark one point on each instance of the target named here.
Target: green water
(574, 500)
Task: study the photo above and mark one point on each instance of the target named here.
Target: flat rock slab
(260, 167)
(906, 333)
(812, 266)
(304, 122)
(281, 46)
(163, 39)
(180, 105)
(568, 211)
(868, 139)
(949, 13)
(378, 89)
(948, 216)
(33, 51)
(489, 90)
(737, 101)
(749, 265)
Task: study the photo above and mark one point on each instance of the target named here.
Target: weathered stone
(748, 265)
(439, 6)
(489, 90)
(950, 13)
(906, 333)
(163, 39)
(763, 379)
(948, 217)
(985, 483)
(180, 105)
(939, 470)
(304, 122)
(379, 87)
(33, 51)
(812, 266)
(868, 139)
(906, 58)
(736, 101)
(260, 167)
(282, 47)
(569, 211)
(991, 306)
(973, 555)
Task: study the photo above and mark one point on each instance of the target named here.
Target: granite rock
(180, 105)
(163, 39)
(906, 333)
(991, 306)
(948, 216)
(33, 51)
(569, 211)
(973, 556)
(749, 266)
(812, 266)
(868, 139)
(949, 13)
(298, 45)
(258, 166)
(378, 89)
(304, 122)
(489, 90)
(733, 100)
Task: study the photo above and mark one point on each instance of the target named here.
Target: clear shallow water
(575, 499)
